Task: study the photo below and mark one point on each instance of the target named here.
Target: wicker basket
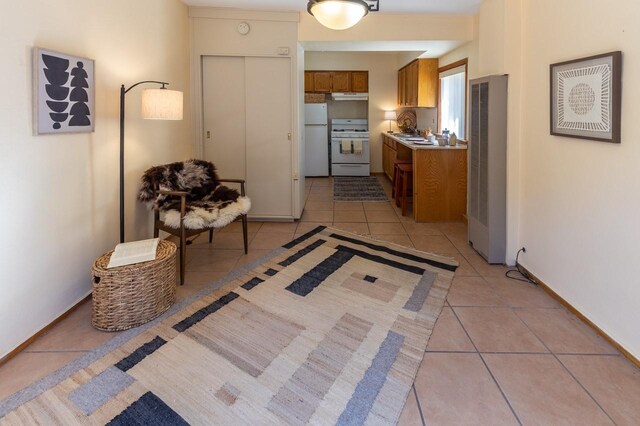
(128, 296)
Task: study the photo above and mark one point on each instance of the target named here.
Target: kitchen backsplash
(427, 117)
(347, 109)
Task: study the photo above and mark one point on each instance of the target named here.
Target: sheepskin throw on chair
(209, 204)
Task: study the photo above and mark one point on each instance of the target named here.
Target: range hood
(350, 96)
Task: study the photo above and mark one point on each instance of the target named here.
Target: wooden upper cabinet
(336, 81)
(412, 84)
(341, 81)
(428, 81)
(308, 81)
(360, 81)
(402, 80)
(418, 84)
(322, 81)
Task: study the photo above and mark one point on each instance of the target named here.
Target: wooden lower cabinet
(440, 185)
(439, 180)
(389, 156)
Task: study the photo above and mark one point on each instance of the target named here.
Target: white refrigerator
(316, 138)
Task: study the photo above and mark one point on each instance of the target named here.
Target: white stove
(350, 147)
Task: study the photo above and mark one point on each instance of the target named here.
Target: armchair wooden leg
(156, 232)
(210, 235)
(244, 233)
(183, 252)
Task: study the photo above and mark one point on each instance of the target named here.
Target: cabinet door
(268, 141)
(412, 84)
(427, 82)
(360, 81)
(341, 81)
(322, 81)
(385, 156)
(400, 84)
(393, 155)
(402, 87)
(308, 81)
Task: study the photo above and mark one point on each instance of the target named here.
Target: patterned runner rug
(364, 188)
(329, 329)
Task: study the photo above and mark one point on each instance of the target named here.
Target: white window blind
(453, 87)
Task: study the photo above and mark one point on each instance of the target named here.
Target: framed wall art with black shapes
(64, 93)
(586, 98)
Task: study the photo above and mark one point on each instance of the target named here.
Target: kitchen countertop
(408, 144)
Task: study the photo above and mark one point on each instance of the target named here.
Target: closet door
(268, 136)
(224, 114)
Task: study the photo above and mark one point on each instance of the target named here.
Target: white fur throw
(199, 218)
(208, 203)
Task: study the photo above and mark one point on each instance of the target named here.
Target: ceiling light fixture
(340, 14)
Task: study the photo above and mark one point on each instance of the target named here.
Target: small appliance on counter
(316, 138)
(350, 155)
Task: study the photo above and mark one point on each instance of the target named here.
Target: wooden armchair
(188, 199)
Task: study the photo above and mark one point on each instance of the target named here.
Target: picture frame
(586, 98)
(64, 93)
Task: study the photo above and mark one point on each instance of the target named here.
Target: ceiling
(465, 7)
(430, 48)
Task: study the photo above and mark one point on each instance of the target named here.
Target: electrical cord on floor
(525, 277)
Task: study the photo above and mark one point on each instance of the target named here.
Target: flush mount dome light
(338, 14)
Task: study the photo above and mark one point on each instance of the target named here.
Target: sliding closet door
(224, 114)
(268, 137)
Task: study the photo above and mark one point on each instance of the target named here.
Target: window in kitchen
(453, 97)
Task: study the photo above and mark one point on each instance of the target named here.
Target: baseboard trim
(48, 327)
(583, 318)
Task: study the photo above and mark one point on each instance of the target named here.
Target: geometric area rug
(329, 329)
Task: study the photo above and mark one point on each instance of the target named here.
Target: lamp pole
(123, 92)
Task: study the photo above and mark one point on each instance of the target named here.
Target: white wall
(580, 200)
(60, 192)
(469, 50)
(383, 77)
(572, 203)
(387, 27)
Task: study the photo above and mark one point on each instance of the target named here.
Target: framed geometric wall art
(586, 97)
(64, 93)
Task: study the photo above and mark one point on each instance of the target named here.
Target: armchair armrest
(183, 200)
(176, 193)
(232, 180)
(240, 181)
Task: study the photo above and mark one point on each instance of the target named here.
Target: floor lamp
(157, 104)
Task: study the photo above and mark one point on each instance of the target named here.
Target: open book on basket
(134, 252)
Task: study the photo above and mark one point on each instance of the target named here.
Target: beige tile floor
(502, 351)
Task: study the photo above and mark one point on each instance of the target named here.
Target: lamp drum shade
(338, 14)
(162, 104)
(390, 115)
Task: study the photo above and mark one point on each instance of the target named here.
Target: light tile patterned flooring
(502, 351)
